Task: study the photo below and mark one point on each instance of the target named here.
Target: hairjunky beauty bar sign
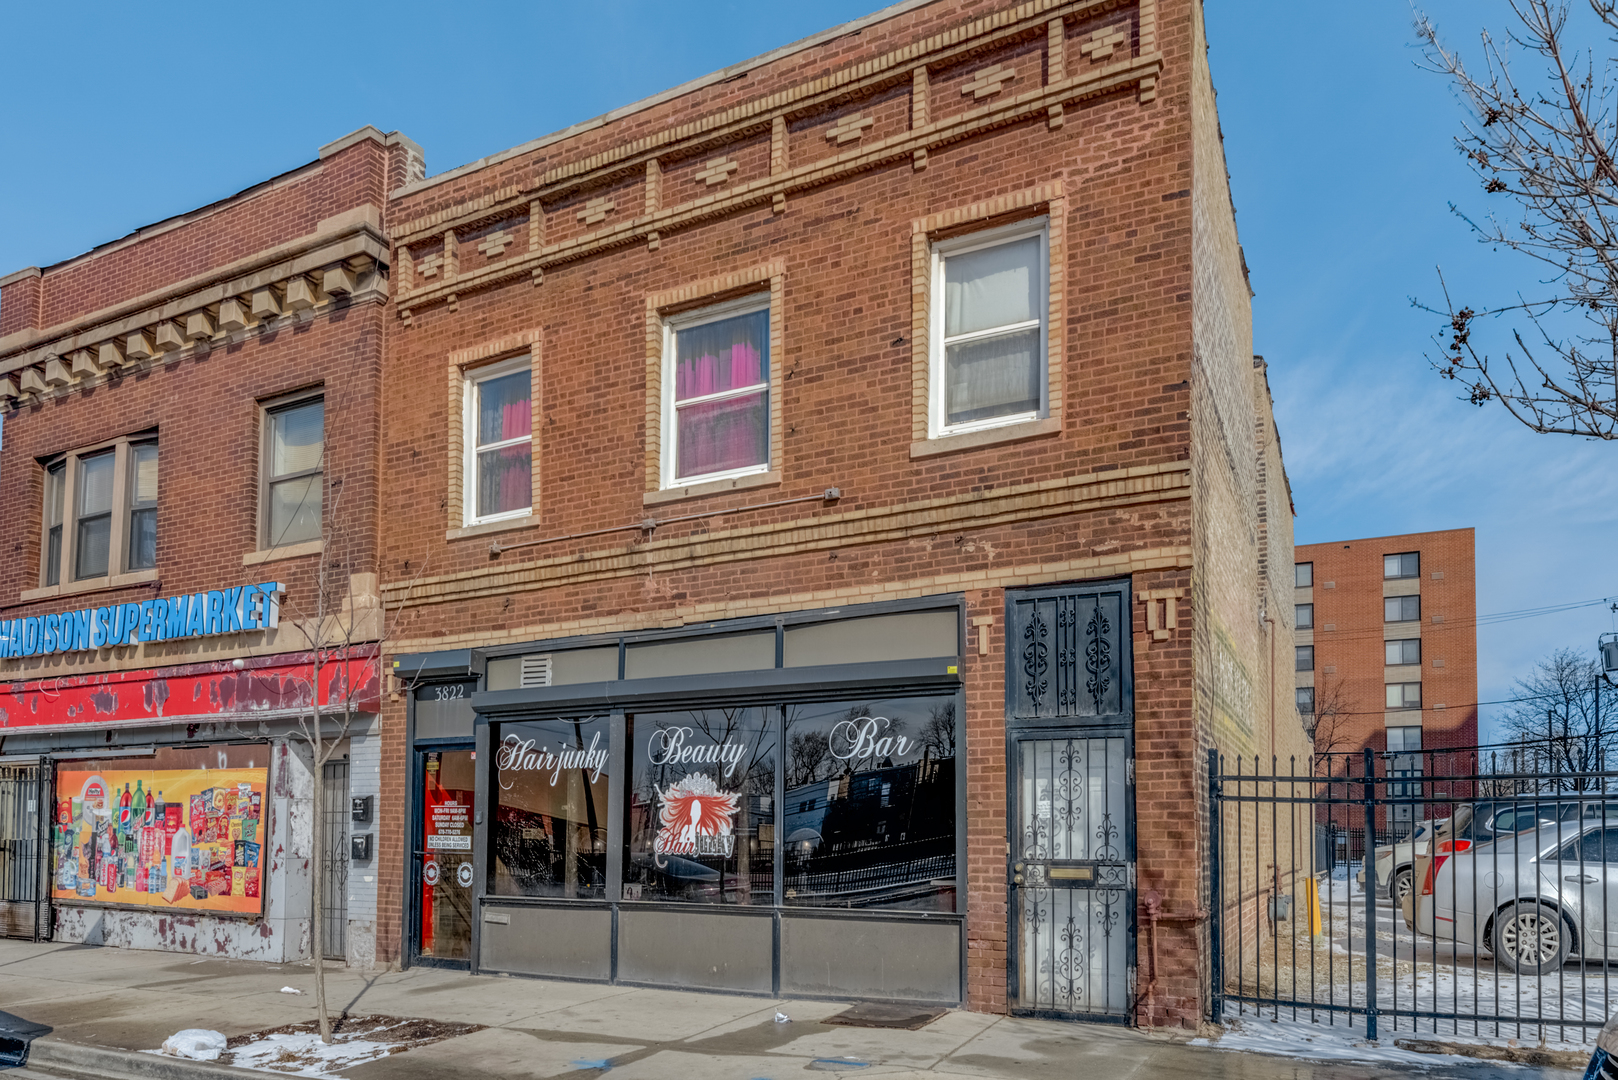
(203, 614)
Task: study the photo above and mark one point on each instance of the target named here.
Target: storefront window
(870, 804)
(702, 807)
(550, 818)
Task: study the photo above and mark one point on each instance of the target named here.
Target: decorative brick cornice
(342, 262)
(858, 80)
(978, 510)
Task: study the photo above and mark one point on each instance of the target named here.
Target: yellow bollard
(1311, 898)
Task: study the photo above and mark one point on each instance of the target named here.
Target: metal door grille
(24, 902)
(1075, 900)
(334, 818)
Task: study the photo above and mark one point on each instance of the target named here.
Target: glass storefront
(549, 834)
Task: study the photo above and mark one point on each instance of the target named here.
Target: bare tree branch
(1549, 151)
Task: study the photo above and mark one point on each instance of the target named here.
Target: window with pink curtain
(504, 417)
(721, 396)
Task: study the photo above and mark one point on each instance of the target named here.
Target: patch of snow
(306, 1055)
(198, 1044)
(1318, 1042)
(290, 990)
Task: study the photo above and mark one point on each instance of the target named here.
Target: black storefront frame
(769, 688)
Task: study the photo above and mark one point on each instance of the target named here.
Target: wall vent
(536, 671)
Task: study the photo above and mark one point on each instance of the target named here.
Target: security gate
(334, 817)
(1070, 744)
(25, 909)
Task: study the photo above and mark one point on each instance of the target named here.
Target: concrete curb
(50, 1055)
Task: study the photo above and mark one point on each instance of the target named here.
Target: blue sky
(1339, 150)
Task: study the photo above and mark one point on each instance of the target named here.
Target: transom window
(716, 397)
(100, 514)
(294, 488)
(990, 307)
(499, 441)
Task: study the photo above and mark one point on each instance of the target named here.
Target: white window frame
(471, 379)
(942, 250)
(672, 325)
(267, 410)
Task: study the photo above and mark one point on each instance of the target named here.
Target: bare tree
(1558, 721)
(1543, 141)
(1328, 724)
(346, 630)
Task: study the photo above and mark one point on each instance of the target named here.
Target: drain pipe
(1154, 908)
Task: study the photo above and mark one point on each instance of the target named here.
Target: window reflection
(870, 804)
(702, 807)
(550, 820)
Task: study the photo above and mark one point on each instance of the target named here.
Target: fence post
(1370, 895)
(1216, 900)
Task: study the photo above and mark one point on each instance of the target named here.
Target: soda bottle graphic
(125, 802)
(138, 819)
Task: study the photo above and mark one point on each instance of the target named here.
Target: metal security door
(1072, 879)
(334, 818)
(24, 900)
(1070, 745)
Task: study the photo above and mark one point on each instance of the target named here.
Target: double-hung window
(716, 396)
(100, 513)
(1404, 695)
(295, 465)
(1399, 653)
(1306, 700)
(1303, 575)
(1401, 609)
(499, 442)
(1404, 565)
(989, 312)
(1305, 614)
(1305, 658)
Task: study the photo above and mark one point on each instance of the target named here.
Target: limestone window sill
(285, 551)
(88, 585)
(972, 440)
(712, 487)
(527, 521)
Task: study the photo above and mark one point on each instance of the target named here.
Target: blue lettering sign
(242, 609)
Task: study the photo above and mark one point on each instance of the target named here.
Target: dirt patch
(355, 1039)
(879, 1014)
(1520, 1055)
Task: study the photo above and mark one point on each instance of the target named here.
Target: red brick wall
(847, 414)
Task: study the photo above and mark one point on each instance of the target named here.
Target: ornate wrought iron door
(1069, 723)
(1072, 878)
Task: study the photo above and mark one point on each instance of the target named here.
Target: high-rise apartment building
(1387, 642)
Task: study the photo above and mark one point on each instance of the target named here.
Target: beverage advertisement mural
(191, 838)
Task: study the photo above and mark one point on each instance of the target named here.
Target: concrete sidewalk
(131, 1000)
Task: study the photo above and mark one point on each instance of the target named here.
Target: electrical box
(360, 808)
(359, 848)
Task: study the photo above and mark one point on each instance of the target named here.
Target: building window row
(100, 514)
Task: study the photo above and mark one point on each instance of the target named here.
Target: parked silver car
(1532, 898)
(1394, 862)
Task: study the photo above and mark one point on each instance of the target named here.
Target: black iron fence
(1466, 892)
(25, 817)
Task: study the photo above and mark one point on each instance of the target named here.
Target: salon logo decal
(695, 819)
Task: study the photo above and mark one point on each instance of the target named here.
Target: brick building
(175, 404)
(1387, 648)
(835, 508)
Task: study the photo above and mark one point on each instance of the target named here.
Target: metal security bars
(1470, 893)
(334, 818)
(25, 909)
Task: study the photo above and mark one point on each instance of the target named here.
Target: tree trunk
(317, 857)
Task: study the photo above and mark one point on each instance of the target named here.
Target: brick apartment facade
(148, 389)
(593, 593)
(821, 516)
(1389, 656)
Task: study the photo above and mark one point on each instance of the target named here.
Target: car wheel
(1403, 879)
(1531, 939)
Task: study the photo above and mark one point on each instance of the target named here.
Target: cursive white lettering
(672, 746)
(855, 739)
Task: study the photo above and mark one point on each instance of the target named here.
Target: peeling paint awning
(262, 689)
